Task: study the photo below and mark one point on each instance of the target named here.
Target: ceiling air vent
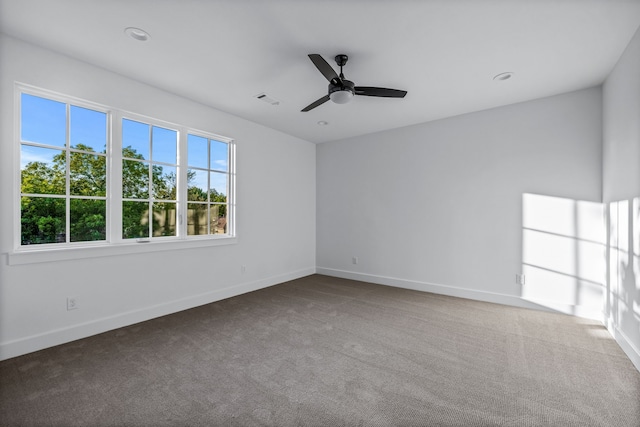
(266, 98)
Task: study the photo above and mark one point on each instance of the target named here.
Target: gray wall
(275, 218)
(439, 206)
(621, 194)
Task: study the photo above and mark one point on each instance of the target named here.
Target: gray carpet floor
(321, 351)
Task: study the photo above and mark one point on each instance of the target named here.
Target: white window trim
(115, 244)
(102, 249)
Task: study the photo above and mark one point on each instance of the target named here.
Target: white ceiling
(443, 52)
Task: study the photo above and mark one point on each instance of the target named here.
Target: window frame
(115, 243)
(152, 123)
(230, 203)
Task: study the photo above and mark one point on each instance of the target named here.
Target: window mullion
(150, 186)
(231, 195)
(68, 176)
(17, 148)
(208, 185)
(114, 184)
(181, 190)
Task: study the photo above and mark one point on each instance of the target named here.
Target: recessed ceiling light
(137, 33)
(322, 123)
(504, 76)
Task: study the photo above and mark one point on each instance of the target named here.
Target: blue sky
(44, 122)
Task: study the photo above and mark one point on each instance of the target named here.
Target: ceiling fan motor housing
(341, 94)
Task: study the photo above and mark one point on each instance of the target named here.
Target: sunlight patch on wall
(563, 254)
(624, 267)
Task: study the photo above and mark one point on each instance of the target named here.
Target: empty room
(320, 213)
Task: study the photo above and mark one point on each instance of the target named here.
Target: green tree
(135, 185)
(87, 177)
(39, 178)
(88, 220)
(43, 220)
(44, 217)
(194, 193)
(87, 172)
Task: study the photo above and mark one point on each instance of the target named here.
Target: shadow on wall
(564, 254)
(622, 309)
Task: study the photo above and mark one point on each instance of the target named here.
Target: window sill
(49, 254)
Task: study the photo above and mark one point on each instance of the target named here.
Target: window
(149, 180)
(63, 172)
(95, 175)
(208, 185)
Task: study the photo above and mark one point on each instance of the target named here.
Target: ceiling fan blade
(380, 91)
(323, 66)
(315, 104)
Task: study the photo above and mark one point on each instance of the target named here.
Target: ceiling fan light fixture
(341, 96)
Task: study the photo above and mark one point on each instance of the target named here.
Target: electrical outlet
(354, 260)
(520, 279)
(72, 303)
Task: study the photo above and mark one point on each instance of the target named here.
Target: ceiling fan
(342, 90)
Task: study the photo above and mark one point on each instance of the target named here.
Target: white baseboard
(465, 293)
(60, 336)
(627, 346)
